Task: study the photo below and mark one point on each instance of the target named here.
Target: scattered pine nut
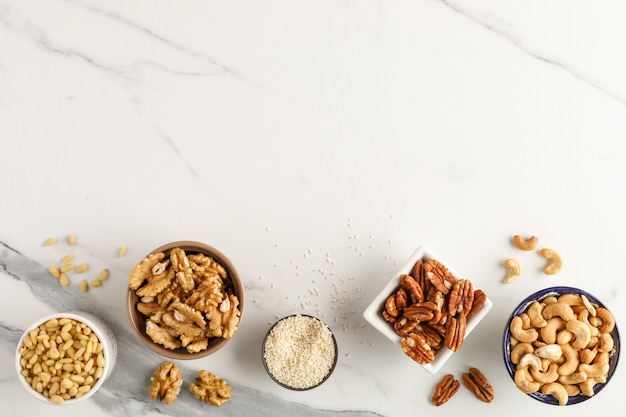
(81, 268)
(96, 283)
(123, 250)
(65, 281)
(50, 241)
(67, 267)
(67, 259)
(84, 287)
(54, 271)
(71, 239)
(104, 275)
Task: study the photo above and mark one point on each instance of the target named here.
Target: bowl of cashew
(561, 346)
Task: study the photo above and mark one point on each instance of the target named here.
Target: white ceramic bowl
(373, 313)
(98, 327)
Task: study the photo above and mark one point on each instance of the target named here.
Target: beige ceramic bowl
(138, 320)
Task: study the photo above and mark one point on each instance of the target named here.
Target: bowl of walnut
(427, 309)
(561, 346)
(185, 300)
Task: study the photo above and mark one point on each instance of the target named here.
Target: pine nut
(84, 287)
(57, 399)
(123, 250)
(67, 267)
(81, 268)
(64, 280)
(71, 239)
(96, 283)
(50, 241)
(104, 275)
(54, 271)
(67, 259)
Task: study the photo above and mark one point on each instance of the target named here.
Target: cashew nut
(594, 370)
(571, 360)
(582, 334)
(519, 350)
(587, 355)
(548, 376)
(514, 270)
(521, 334)
(608, 322)
(548, 333)
(557, 390)
(590, 307)
(525, 382)
(555, 263)
(571, 299)
(552, 352)
(530, 360)
(522, 244)
(586, 387)
(575, 378)
(535, 313)
(558, 309)
(564, 336)
(606, 343)
(571, 389)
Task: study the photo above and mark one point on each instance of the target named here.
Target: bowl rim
(102, 331)
(330, 371)
(373, 312)
(189, 246)
(540, 295)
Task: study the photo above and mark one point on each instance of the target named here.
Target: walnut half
(165, 382)
(210, 389)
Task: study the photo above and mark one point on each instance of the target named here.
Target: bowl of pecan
(427, 309)
(185, 300)
(561, 346)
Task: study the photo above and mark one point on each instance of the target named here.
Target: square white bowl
(373, 313)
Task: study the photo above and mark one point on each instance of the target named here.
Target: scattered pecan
(445, 389)
(476, 382)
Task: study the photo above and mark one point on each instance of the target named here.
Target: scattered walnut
(165, 382)
(210, 389)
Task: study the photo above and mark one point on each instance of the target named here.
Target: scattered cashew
(535, 312)
(557, 390)
(555, 263)
(514, 270)
(521, 334)
(522, 244)
(558, 309)
(582, 334)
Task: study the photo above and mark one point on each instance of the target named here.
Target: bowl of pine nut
(64, 358)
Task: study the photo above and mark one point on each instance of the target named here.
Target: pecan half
(430, 334)
(416, 347)
(413, 287)
(390, 312)
(479, 300)
(421, 311)
(461, 298)
(445, 389)
(439, 276)
(404, 326)
(476, 382)
(455, 332)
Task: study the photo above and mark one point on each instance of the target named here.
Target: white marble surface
(316, 144)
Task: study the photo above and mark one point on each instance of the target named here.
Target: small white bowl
(98, 327)
(373, 313)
